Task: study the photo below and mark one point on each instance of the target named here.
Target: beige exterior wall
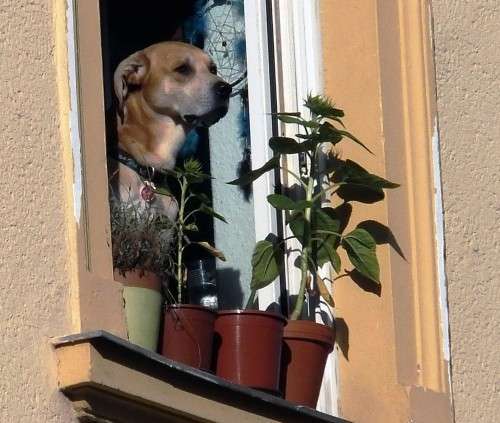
(37, 220)
(34, 260)
(467, 44)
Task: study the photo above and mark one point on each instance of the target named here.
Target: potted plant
(141, 246)
(320, 232)
(188, 328)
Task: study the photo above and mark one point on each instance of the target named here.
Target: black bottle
(201, 285)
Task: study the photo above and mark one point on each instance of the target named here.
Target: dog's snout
(223, 89)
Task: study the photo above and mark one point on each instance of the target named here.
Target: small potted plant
(320, 232)
(141, 246)
(188, 328)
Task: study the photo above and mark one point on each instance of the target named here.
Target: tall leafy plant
(191, 203)
(319, 229)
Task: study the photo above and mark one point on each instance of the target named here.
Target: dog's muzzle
(222, 92)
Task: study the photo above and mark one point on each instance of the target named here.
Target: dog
(162, 92)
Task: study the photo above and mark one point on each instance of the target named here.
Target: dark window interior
(126, 27)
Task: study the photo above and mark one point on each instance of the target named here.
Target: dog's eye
(213, 69)
(183, 69)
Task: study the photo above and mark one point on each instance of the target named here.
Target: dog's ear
(129, 72)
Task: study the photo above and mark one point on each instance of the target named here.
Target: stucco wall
(33, 263)
(467, 41)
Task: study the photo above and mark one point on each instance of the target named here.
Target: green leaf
(353, 138)
(286, 114)
(193, 171)
(286, 145)
(360, 247)
(326, 253)
(287, 118)
(326, 219)
(357, 184)
(257, 173)
(297, 226)
(326, 226)
(290, 119)
(211, 212)
(328, 133)
(322, 106)
(211, 249)
(191, 227)
(266, 262)
(282, 202)
(202, 197)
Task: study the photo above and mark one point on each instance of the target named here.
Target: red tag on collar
(148, 191)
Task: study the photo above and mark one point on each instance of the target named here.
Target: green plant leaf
(191, 227)
(282, 202)
(290, 119)
(326, 252)
(211, 212)
(285, 145)
(324, 292)
(326, 219)
(326, 226)
(266, 262)
(361, 250)
(287, 118)
(322, 106)
(203, 198)
(325, 133)
(193, 171)
(328, 133)
(297, 225)
(357, 184)
(211, 249)
(353, 138)
(257, 173)
(286, 114)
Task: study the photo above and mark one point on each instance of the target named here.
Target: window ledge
(109, 379)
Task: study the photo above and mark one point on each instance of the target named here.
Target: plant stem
(306, 250)
(180, 238)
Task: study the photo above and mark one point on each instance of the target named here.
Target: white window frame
(298, 58)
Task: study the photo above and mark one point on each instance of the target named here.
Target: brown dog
(163, 92)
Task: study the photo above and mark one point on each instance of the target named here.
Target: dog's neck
(153, 139)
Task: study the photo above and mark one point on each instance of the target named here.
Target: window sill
(109, 379)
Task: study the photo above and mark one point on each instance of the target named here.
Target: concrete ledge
(109, 379)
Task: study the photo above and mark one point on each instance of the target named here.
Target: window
(381, 74)
(278, 79)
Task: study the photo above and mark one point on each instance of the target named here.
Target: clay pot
(142, 302)
(306, 346)
(188, 333)
(248, 348)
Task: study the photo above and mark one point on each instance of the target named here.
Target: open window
(259, 48)
(230, 147)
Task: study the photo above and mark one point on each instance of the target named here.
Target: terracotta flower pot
(306, 346)
(142, 301)
(248, 348)
(188, 333)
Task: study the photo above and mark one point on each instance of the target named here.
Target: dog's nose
(223, 89)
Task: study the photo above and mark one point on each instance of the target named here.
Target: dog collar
(146, 172)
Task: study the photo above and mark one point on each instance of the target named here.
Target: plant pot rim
(190, 306)
(252, 313)
(307, 329)
(138, 278)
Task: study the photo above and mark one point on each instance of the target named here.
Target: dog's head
(176, 80)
